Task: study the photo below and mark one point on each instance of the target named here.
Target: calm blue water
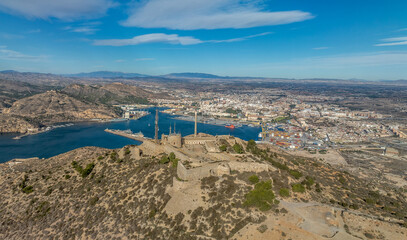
(61, 140)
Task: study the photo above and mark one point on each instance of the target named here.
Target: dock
(128, 134)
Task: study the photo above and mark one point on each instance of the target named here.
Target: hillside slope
(54, 106)
(114, 93)
(104, 194)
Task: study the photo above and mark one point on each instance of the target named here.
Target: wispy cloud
(7, 54)
(119, 60)
(34, 31)
(345, 61)
(320, 48)
(11, 36)
(240, 39)
(86, 28)
(209, 14)
(65, 10)
(149, 38)
(397, 41)
(144, 59)
(167, 38)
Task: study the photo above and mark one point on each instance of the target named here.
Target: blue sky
(290, 38)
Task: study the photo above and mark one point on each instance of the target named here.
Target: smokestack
(156, 125)
(196, 120)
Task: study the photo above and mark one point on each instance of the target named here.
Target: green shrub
(24, 187)
(100, 157)
(284, 192)
(43, 208)
(164, 159)
(318, 188)
(28, 189)
(296, 174)
(223, 148)
(238, 148)
(254, 179)
(127, 151)
(342, 180)
(93, 201)
(67, 176)
(152, 213)
(84, 172)
(278, 164)
(76, 166)
(298, 188)
(262, 228)
(113, 155)
(88, 170)
(171, 156)
(370, 201)
(261, 196)
(175, 162)
(309, 181)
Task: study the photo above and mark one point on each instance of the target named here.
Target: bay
(64, 139)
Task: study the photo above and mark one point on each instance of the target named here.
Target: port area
(211, 121)
(128, 134)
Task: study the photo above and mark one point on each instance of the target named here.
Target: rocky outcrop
(51, 107)
(16, 124)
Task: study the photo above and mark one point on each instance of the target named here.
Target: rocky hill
(155, 191)
(17, 124)
(11, 91)
(114, 93)
(53, 106)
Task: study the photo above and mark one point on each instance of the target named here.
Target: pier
(128, 134)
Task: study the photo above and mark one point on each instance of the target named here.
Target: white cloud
(86, 28)
(166, 38)
(320, 48)
(120, 60)
(62, 9)
(7, 54)
(208, 14)
(397, 41)
(149, 38)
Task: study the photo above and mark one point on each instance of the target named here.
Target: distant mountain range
(192, 75)
(72, 78)
(106, 74)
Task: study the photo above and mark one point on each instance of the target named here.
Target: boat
(230, 126)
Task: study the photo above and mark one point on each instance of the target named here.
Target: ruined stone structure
(173, 139)
(220, 169)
